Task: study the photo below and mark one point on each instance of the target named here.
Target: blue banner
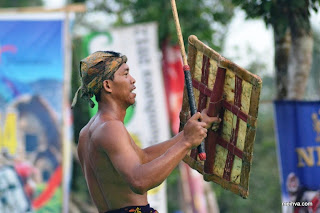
(298, 137)
(31, 105)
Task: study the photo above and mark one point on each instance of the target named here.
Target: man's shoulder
(109, 130)
(112, 126)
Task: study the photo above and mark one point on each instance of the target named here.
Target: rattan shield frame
(232, 93)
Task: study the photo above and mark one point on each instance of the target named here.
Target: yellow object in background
(8, 133)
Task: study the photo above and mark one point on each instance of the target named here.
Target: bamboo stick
(77, 8)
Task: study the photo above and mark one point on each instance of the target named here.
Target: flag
(32, 95)
(173, 82)
(298, 139)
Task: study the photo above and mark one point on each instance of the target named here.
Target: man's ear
(107, 86)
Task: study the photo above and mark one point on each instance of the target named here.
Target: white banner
(147, 121)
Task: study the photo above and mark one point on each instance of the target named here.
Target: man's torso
(107, 188)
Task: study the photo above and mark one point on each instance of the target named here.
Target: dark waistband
(134, 209)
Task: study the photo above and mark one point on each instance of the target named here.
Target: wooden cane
(187, 75)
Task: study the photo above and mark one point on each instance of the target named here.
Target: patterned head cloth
(94, 69)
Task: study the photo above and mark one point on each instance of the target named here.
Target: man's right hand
(195, 131)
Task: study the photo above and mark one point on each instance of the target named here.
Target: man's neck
(112, 110)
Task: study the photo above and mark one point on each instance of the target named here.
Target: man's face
(123, 86)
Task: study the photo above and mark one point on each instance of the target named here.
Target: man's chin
(132, 102)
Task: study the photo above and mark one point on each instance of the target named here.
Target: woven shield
(232, 93)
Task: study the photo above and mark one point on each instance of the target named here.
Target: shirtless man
(117, 171)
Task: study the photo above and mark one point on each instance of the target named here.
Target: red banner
(174, 83)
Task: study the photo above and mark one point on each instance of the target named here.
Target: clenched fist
(195, 131)
(212, 122)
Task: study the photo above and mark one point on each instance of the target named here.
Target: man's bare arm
(115, 141)
(157, 150)
(152, 152)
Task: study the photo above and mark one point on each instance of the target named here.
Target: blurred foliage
(20, 3)
(206, 19)
(81, 117)
(173, 191)
(280, 14)
(290, 20)
(313, 89)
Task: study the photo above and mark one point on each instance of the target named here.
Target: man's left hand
(212, 122)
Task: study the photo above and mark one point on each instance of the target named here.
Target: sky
(54, 3)
(249, 40)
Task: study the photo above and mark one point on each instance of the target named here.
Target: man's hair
(98, 95)
(94, 69)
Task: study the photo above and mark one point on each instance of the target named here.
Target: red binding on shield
(216, 107)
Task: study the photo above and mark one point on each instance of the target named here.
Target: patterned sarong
(134, 209)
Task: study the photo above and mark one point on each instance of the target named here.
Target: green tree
(313, 90)
(206, 19)
(293, 40)
(20, 3)
(80, 198)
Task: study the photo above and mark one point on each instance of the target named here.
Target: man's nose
(133, 80)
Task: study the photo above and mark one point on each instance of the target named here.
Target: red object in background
(174, 83)
(25, 170)
(7, 48)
